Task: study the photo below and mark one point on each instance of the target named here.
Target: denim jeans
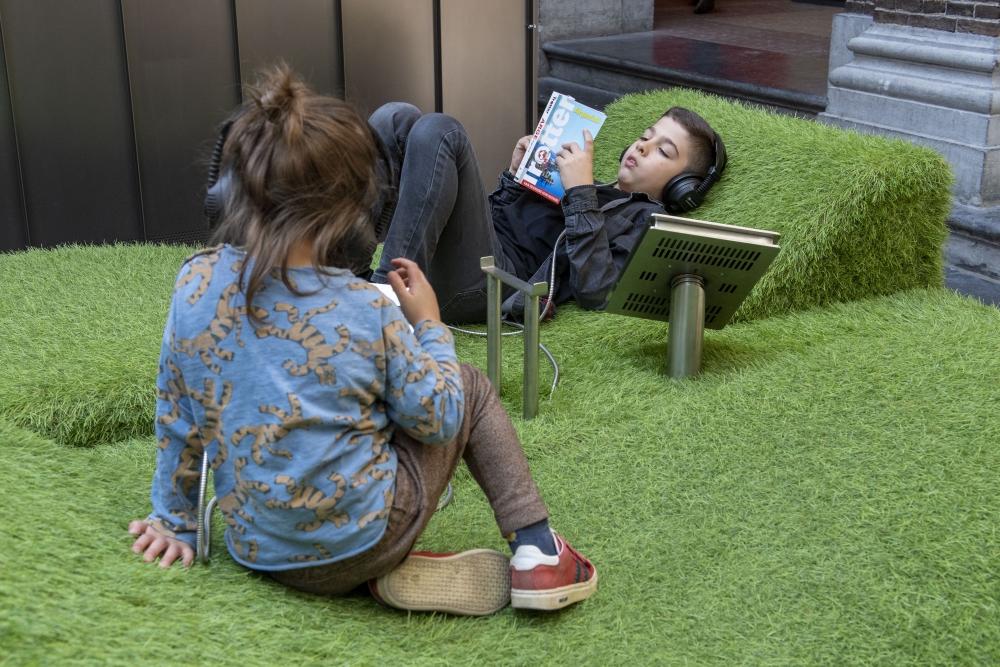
(442, 219)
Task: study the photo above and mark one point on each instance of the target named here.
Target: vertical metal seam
(529, 64)
(338, 8)
(17, 147)
(438, 68)
(131, 107)
(236, 51)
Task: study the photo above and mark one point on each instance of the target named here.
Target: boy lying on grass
(444, 221)
(331, 426)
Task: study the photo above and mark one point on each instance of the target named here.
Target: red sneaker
(550, 582)
(471, 583)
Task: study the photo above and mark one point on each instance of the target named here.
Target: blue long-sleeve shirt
(296, 414)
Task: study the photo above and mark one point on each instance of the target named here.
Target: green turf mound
(859, 215)
(82, 328)
(826, 494)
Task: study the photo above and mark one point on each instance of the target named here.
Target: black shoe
(704, 6)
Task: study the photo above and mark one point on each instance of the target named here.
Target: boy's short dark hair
(702, 155)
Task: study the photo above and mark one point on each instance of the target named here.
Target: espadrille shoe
(471, 583)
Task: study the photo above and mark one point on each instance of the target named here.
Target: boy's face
(659, 155)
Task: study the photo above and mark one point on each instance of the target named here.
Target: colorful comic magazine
(563, 122)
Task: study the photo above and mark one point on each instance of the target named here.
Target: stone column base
(931, 87)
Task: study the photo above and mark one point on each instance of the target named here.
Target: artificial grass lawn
(82, 328)
(826, 493)
(859, 216)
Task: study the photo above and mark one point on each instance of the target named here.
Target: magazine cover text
(563, 122)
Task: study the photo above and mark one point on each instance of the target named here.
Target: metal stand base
(687, 325)
(532, 292)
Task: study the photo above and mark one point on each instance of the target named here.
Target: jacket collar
(632, 196)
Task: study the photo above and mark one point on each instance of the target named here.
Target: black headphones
(686, 191)
(215, 196)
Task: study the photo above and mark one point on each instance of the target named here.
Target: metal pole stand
(687, 324)
(532, 292)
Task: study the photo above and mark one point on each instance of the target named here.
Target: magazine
(563, 122)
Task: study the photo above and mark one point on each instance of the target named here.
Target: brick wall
(979, 17)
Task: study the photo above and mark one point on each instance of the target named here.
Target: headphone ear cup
(681, 193)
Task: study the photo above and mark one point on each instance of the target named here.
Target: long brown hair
(301, 167)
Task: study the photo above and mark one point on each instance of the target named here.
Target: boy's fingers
(137, 527)
(187, 554)
(588, 141)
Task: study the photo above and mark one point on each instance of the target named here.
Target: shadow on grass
(720, 356)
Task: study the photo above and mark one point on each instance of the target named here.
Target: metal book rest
(494, 299)
(694, 274)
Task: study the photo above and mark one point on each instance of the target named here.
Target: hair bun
(279, 95)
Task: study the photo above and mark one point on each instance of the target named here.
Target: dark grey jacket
(598, 241)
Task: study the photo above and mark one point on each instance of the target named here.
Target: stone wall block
(933, 21)
(991, 12)
(637, 16)
(866, 7)
(976, 27)
(908, 5)
(961, 9)
(932, 7)
(888, 16)
(570, 19)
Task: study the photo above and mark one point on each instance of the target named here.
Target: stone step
(622, 64)
(972, 284)
(974, 243)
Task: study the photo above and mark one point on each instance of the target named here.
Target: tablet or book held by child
(563, 122)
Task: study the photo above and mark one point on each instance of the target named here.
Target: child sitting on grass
(332, 427)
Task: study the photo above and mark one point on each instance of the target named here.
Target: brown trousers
(491, 449)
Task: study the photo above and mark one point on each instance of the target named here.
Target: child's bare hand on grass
(576, 165)
(419, 302)
(154, 544)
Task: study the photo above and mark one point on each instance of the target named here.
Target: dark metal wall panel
(303, 33)
(484, 76)
(13, 231)
(389, 53)
(69, 95)
(184, 80)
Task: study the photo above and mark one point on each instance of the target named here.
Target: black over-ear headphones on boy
(686, 191)
(215, 197)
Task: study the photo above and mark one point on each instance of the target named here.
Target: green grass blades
(82, 327)
(825, 494)
(859, 216)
